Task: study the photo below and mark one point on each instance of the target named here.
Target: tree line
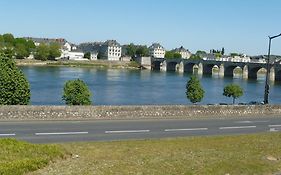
(21, 48)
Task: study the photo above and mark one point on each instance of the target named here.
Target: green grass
(18, 157)
(233, 155)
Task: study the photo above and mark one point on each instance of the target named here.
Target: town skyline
(197, 25)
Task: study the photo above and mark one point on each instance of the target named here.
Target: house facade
(157, 51)
(185, 54)
(111, 50)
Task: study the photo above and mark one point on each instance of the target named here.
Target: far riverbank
(95, 63)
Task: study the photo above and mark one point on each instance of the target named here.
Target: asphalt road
(73, 131)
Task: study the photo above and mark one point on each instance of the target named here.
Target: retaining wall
(133, 112)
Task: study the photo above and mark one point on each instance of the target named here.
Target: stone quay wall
(15, 113)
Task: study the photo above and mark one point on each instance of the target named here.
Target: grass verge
(17, 157)
(246, 154)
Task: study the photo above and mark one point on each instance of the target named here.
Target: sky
(241, 26)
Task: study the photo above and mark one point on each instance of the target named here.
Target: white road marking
(271, 126)
(238, 127)
(259, 121)
(127, 131)
(188, 129)
(4, 135)
(273, 130)
(61, 133)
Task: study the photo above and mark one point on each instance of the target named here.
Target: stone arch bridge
(226, 68)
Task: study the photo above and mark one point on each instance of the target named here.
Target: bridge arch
(208, 68)
(156, 65)
(189, 67)
(253, 72)
(172, 66)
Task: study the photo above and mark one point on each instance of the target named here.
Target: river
(137, 87)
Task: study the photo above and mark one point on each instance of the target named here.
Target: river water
(137, 87)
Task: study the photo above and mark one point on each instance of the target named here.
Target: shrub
(14, 87)
(76, 92)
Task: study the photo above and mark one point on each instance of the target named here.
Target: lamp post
(266, 88)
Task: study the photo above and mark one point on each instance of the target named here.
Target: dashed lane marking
(127, 131)
(187, 129)
(61, 133)
(238, 127)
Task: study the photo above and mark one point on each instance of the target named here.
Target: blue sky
(238, 25)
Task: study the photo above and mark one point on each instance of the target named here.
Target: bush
(76, 92)
(14, 87)
(194, 91)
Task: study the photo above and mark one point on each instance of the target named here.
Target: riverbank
(92, 63)
(17, 113)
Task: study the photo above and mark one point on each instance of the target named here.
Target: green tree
(195, 57)
(54, 51)
(76, 92)
(42, 52)
(1, 41)
(13, 84)
(21, 51)
(87, 55)
(194, 91)
(9, 52)
(142, 51)
(169, 54)
(177, 55)
(8, 39)
(233, 90)
(131, 50)
(234, 54)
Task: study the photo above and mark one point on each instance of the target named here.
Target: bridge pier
(272, 74)
(245, 72)
(200, 69)
(181, 67)
(221, 71)
(163, 66)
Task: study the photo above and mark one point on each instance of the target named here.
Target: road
(73, 131)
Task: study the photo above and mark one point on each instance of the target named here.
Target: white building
(185, 54)
(73, 55)
(111, 50)
(157, 51)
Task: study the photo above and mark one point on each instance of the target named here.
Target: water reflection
(132, 87)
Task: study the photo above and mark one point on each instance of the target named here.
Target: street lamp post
(266, 88)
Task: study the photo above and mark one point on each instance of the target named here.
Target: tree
(54, 51)
(169, 54)
(76, 92)
(13, 84)
(222, 51)
(21, 51)
(172, 54)
(131, 50)
(42, 52)
(87, 55)
(8, 38)
(233, 90)
(142, 51)
(194, 91)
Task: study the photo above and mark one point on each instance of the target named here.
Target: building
(111, 50)
(185, 54)
(65, 45)
(157, 51)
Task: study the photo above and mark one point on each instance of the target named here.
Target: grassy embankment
(17, 158)
(97, 63)
(247, 154)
